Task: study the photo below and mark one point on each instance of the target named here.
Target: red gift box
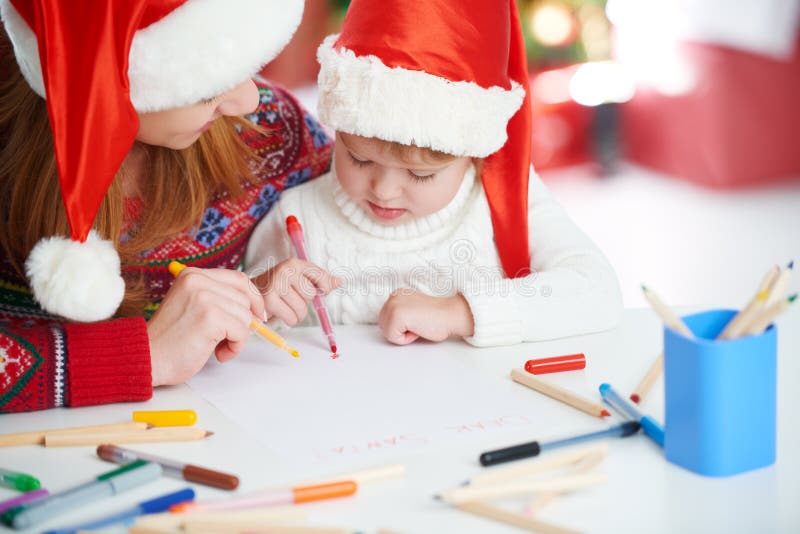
(738, 125)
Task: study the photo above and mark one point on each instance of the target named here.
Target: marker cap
(166, 417)
(556, 364)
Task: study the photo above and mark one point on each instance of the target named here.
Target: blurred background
(668, 129)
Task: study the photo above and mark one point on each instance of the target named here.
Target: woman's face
(178, 128)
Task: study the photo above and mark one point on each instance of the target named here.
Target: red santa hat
(98, 62)
(450, 75)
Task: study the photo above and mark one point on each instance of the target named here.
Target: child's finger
(321, 278)
(297, 303)
(276, 307)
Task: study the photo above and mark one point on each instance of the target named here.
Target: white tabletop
(644, 493)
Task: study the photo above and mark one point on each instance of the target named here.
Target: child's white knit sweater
(572, 289)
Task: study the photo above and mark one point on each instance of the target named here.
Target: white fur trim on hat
(363, 96)
(79, 281)
(201, 49)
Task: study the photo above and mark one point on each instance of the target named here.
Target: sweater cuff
(108, 362)
(497, 319)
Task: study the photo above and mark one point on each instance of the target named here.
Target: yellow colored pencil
(175, 268)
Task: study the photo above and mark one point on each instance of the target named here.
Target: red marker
(295, 232)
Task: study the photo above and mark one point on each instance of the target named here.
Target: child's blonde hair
(409, 153)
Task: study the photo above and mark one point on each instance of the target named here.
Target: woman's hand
(205, 311)
(408, 315)
(290, 286)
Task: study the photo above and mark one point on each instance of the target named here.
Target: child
(431, 217)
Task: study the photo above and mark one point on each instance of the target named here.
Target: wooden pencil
(153, 435)
(649, 379)
(584, 465)
(501, 515)
(172, 521)
(763, 320)
(37, 437)
(538, 465)
(778, 290)
(734, 327)
(509, 489)
(558, 393)
(665, 312)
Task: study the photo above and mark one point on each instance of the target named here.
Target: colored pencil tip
(790, 265)
(793, 297)
(644, 288)
(635, 398)
(209, 433)
(333, 348)
(295, 354)
(437, 497)
(605, 413)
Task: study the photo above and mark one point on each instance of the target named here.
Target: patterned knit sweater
(46, 362)
(572, 290)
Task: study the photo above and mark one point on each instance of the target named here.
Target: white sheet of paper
(374, 400)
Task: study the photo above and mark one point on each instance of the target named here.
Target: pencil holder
(720, 397)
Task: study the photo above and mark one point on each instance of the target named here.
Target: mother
(123, 147)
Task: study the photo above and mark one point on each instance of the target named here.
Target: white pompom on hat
(97, 65)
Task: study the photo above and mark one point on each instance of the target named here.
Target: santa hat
(98, 62)
(448, 75)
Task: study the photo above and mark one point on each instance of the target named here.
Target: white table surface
(644, 493)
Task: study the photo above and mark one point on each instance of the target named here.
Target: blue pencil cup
(720, 397)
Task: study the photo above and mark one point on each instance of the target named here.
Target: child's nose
(240, 100)
(386, 187)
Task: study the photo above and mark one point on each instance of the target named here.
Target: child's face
(178, 128)
(393, 191)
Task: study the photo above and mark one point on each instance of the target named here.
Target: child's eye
(358, 162)
(209, 101)
(421, 177)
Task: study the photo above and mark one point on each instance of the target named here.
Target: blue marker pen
(153, 506)
(650, 427)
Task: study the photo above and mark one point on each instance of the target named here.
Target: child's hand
(289, 287)
(407, 316)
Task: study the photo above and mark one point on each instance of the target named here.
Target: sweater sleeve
(46, 364)
(572, 289)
